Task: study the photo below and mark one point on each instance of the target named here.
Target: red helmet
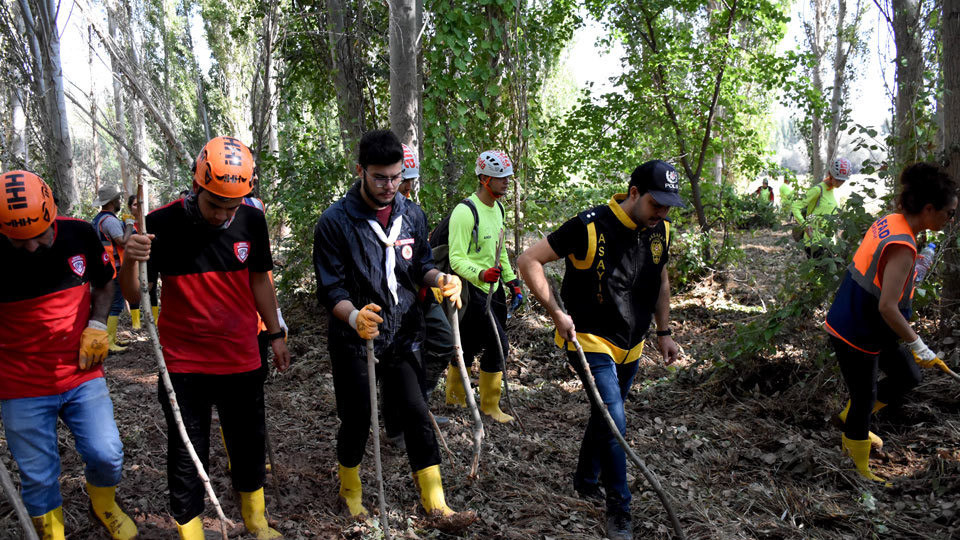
(225, 167)
(27, 208)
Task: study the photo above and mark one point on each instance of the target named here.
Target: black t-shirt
(209, 319)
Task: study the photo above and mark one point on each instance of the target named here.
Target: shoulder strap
(475, 234)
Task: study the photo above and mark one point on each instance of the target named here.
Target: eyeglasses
(380, 181)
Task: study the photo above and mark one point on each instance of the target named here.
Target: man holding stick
(371, 257)
(57, 286)
(213, 254)
(614, 285)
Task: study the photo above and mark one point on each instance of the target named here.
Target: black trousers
(860, 371)
(438, 349)
(400, 376)
(477, 334)
(239, 402)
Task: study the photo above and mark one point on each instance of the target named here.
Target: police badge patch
(78, 263)
(242, 251)
(657, 242)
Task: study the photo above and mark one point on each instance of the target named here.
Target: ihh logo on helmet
(22, 222)
(673, 180)
(78, 263)
(14, 188)
(242, 251)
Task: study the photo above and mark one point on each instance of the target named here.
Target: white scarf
(390, 254)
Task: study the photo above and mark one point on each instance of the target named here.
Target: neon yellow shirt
(465, 260)
(827, 205)
(786, 192)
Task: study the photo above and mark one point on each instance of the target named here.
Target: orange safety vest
(854, 316)
(113, 249)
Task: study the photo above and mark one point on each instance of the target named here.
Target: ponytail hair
(923, 184)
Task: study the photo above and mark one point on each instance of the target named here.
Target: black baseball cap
(660, 180)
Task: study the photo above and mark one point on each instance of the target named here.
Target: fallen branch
(151, 326)
(29, 532)
(375, 424)
(468, 390)
(496, 333)
(591, 384)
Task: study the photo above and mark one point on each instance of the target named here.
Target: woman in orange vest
(872, 307)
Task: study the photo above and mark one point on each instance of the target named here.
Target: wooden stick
(478, 433)
(29, 532)
(493, 326)
(591, 384)
(151, 327)
(443, 441)
(375, 424)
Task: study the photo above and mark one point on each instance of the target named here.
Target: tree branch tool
(151, 326)
(29, 532)
(591, 386)
(478, 433)
(493, 327)
(375, 423)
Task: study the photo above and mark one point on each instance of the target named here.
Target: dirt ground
(742, 454)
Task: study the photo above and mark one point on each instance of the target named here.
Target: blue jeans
(31, 429)
(601, 456)
(118, 303)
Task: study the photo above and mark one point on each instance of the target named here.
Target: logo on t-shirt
(241, 250)
(105, 257)
(78, 263)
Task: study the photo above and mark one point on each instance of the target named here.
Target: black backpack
(440, 233)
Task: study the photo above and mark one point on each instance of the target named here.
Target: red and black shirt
(44, 308)
(209, 322)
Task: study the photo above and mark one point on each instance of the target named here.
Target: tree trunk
(44, 39)
(201, 93)
(405, 92)
(951, 138)
(349, 89)
(17, 151)
(909, 76)
(135, 111)
(119, 116)
(815, 39)
(846, 37)
(95, 133)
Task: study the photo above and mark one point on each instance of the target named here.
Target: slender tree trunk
(135, 111)
(405, 92)
(350, 100)
(95, 136)
(198, 74)
(909, 76)
(119, 116)
(44, 38)
(951, 138)
(845, 40)
(815, 39)
(17, 153)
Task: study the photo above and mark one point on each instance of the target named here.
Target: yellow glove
(935, 362)
(451, 288)
(365, 321)
(94, 344)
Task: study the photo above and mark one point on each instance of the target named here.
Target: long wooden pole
(478, 433)
(493, 327)
(375, 424)
(591, 384)
(151, 326)
(29, 532)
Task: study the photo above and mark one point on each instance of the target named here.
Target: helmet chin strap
(486, 185)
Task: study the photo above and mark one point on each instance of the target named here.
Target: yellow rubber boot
(877, 405)
(860, 452)
(455, 392)
(253, 510)
(50, 525)
(431, 491)
(191, 530)
(225, 450)
(104, 503)
(351, 492)
(135, 318)
(155, 310)
(490, 396)
(112, 322)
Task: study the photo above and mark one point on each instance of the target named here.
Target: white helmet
(411, 165)
(494, 163)
(841, 169)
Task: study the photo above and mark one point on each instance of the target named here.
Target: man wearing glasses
(371, 257)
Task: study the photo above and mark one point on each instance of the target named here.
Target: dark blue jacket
(349, 260)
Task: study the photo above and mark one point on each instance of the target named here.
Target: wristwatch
(667, 332)
(277, 335)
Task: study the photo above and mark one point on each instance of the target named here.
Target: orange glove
(365, 321)
(94, 344)
(451, 287)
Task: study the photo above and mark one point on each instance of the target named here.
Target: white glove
(921, 351)
(283, 325)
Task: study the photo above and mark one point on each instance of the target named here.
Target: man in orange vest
(113, 235)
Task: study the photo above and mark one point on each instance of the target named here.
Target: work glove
(517, 292)
(451, 288)
(94, 344)
(365, 321)
(491, 275)
(283, 325)
(922, 354)
(128, 219)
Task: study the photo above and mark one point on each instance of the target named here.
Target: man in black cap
(615, 284)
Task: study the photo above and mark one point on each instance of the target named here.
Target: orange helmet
(27, 208)
(225, 167)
